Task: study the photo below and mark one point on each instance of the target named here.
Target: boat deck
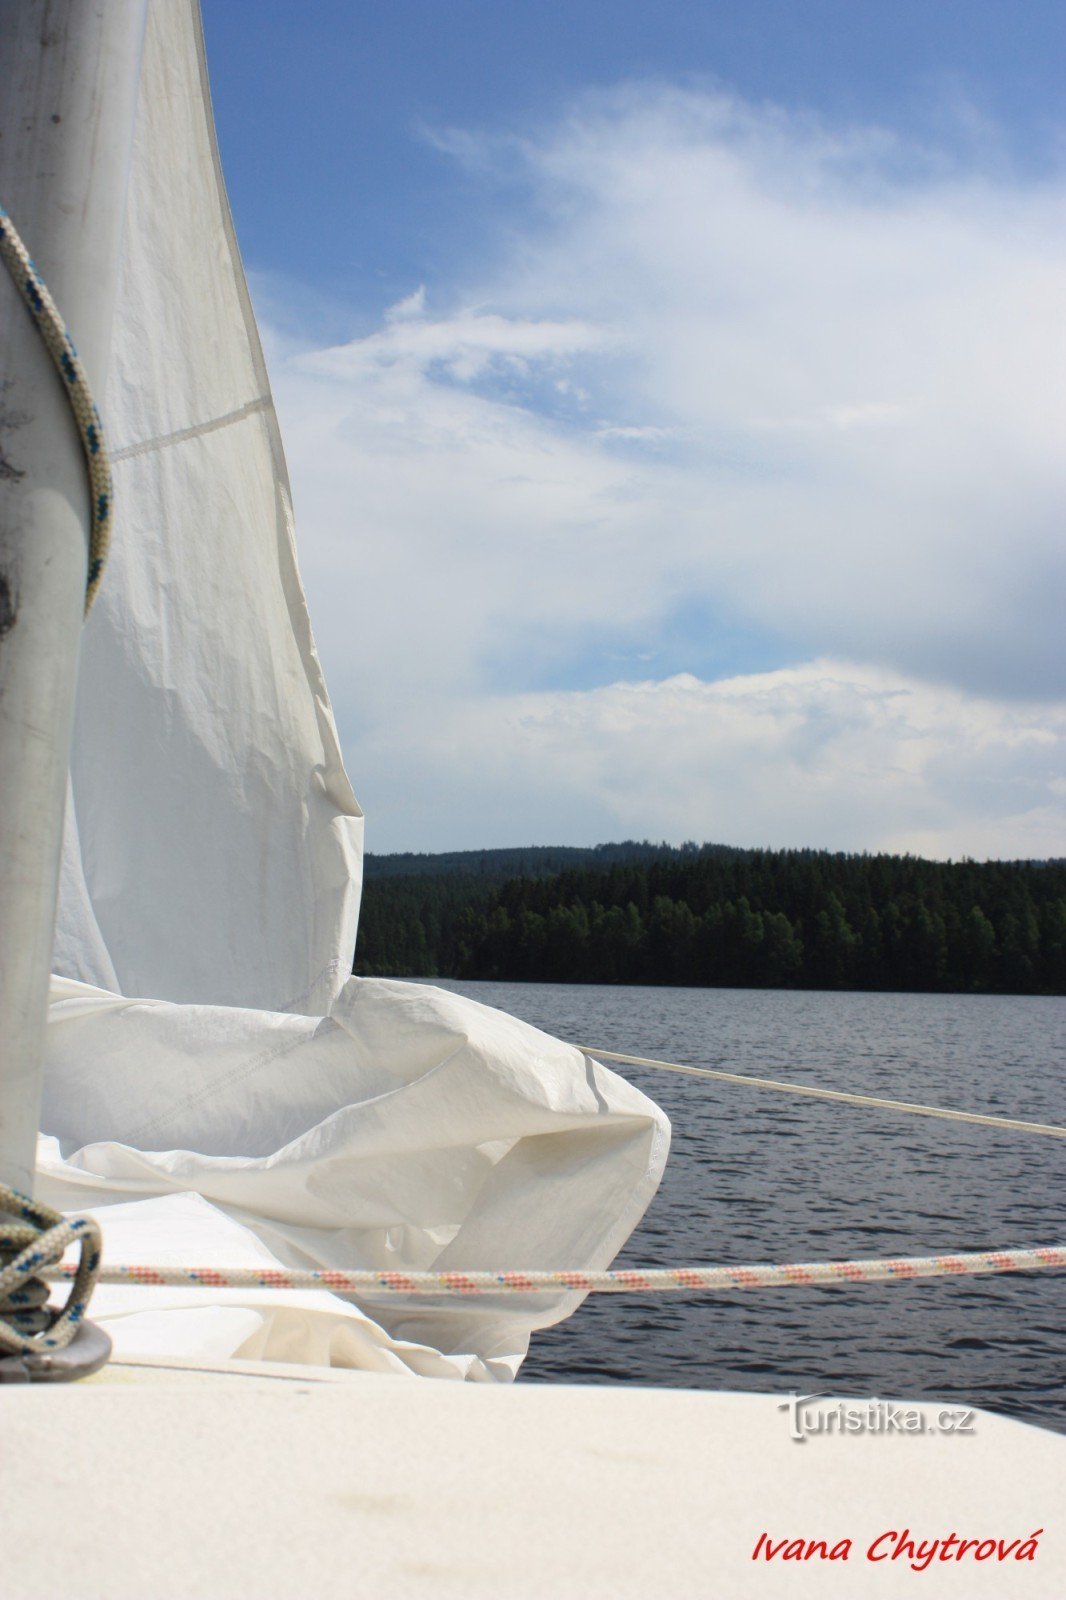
(247, 1480)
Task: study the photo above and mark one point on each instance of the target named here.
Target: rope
(60, 347)
(39, 1237)
(640, 1280)
(1008, 1124)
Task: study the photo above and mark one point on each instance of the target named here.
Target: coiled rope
(1008, 1124)
(40, 1237)
(60, 347)
(638, 1280)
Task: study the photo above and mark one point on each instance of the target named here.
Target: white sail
(218, 1088)
(207, 783)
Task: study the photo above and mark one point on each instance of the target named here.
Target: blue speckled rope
(60, 347)
(28, 1326)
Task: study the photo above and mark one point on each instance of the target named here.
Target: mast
(71, 71)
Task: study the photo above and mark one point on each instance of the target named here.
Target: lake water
(755, 1176)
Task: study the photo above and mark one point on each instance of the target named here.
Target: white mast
(71, 70)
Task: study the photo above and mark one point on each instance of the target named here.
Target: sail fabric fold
(263, 1107)
(409, 1129)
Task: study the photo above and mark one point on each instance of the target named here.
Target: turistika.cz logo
(815, 1414)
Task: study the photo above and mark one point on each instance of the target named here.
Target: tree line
(711, 916)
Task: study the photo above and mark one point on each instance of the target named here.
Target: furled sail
(261, 1105)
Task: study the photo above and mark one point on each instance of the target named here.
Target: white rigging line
(745, 1080)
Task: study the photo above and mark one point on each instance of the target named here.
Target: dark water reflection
(760, 1177)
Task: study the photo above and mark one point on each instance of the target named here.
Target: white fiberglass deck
(271, 1483)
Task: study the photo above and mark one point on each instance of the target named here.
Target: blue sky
(673, 402)
(323, 108)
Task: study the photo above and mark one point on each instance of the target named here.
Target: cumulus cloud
(860, 347)
(828, 754)
(728, 358)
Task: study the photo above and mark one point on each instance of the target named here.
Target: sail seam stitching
(180, 435)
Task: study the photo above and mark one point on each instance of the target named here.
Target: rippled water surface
(762, 1177)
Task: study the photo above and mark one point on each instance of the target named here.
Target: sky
(674, 403)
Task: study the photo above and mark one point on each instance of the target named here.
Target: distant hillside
(532, 861)
(710, 915)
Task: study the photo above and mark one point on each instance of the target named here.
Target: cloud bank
(829, 755)
(724, 374)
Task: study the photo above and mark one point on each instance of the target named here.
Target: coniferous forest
(713, 915)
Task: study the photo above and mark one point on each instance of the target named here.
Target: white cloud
(463, 346)
(729, 358)
(826, 754)
(906, 334)
(413, 305)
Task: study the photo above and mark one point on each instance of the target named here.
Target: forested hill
(534, 861)
(712, 915)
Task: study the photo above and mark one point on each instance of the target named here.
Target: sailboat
(215, 1079)
(217, 1089)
